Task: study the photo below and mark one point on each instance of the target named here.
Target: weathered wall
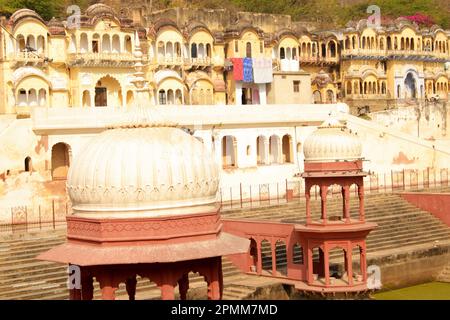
(436, 203)
(400, 269)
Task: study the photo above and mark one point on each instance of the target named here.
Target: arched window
(194, 50)
(22, 99)
(86, 98)
(169, 50)
(177, 49)
(332, 49)
(349, 87)
(317, 97)
(162, 97)
(60, 161)
(274, 149)
(31, 42)
(130, 98)
(106, 43)
(229, 151)
(42, 97)
(288, 53)
(170, 97)
(261, 150)
(161, 50)
(330, 96)
(208, 50)
(287, 148)
(282, 53)
(115, 44)
(201, 50)
(84, 46)
(28, 166)
(20, 43)
(178, 97)
(32, 97)
(297, 254)
(40, 44)
(127, 45)
(248, 50)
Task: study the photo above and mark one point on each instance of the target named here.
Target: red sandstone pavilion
(139, 210)
(144, 200)
(332, 157)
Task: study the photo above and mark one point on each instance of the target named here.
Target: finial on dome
(331, 122)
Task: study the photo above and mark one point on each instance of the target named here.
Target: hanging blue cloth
(248, 70)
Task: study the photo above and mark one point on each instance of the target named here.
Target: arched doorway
(60, 161)
(28, 165)
(317, 97)
(107, 92)
(229, 151)
(410, 86)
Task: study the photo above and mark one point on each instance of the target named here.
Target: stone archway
(108, 92)
(410, 86)
(60, 161)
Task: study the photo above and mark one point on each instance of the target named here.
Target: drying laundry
(262, 70)
(238, 72)
(248, 70)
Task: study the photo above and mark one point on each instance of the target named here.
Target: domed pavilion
(144, 200)
(333, 156)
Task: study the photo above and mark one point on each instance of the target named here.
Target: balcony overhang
(95, 119)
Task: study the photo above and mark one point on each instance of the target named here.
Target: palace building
(85, 61)
(251, 86)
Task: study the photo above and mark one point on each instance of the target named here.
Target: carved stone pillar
(107, 285)
(361, 202)
(323, 200)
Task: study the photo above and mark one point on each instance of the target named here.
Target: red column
(361, 202)
(167, 292)
(348, 255)
(326, 264)
(346, 201)
(214, 290)
(363, 263)
(130, 285)
(290, 255)
(259, 265)
(308, 206)
(183, 285)
(309, 266)
(107, 285)
(323, 200)
(274, 258)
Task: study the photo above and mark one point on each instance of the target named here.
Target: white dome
(142, 169)
(332, 142)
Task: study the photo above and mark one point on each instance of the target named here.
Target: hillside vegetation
(328, 13)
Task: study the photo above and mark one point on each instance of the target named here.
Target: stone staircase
(444, 276)
(401, 226)
(22, 277)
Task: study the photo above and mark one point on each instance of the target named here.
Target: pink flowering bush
(420, 19)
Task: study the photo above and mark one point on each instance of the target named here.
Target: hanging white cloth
(262, 70)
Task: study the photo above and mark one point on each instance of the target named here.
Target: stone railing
(45, 119)
(381, 53)
(316, 59)
(101, 56)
